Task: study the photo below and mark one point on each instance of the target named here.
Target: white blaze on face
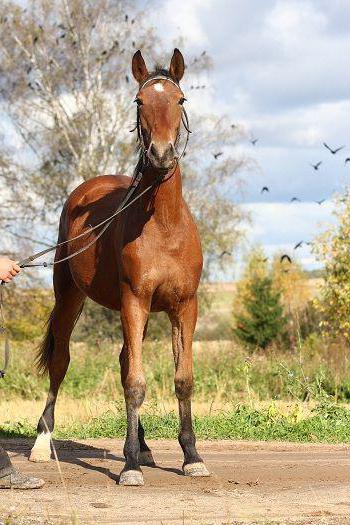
(158, 87)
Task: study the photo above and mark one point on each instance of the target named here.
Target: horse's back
(95, 198)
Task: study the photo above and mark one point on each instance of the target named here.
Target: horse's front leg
(183, 324)
(134, 315)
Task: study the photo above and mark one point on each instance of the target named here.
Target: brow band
(160, 78)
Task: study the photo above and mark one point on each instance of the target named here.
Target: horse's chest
(167, 268)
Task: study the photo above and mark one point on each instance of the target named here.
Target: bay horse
(149, 260)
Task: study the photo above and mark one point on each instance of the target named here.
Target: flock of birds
(266, 189)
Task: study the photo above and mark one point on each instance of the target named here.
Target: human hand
(8, 269)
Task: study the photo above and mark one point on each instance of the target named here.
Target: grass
(224, 373)
(239, 394)
(327, 423)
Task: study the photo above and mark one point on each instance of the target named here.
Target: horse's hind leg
(54, 354)
(145, 455)
(183, 323)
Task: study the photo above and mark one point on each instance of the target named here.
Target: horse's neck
(166, 199)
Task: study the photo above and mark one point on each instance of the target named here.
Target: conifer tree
(263, 320)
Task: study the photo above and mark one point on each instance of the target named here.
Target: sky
(281, 71)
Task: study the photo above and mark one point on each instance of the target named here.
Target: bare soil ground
(260, 483)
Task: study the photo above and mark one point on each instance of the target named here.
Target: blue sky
(281, 70)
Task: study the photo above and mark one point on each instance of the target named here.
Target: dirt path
(261, 483)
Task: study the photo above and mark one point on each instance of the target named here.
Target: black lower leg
(187, 437)
(132, 445)
(47, 420)
(141, 434)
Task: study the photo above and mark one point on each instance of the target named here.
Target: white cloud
(177, 19)
(281, 70)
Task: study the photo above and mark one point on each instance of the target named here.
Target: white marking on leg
(41, 450)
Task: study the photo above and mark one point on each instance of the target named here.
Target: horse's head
(159, 101)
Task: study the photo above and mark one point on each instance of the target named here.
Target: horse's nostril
(173, 150)
(163, 154)
(154, 150)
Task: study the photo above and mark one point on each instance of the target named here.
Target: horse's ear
(177, 65)
(139, 68)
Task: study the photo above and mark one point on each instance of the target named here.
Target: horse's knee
(183, 386)
(134, 391)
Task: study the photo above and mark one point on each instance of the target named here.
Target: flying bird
(254, 141)
(333, 151)
(224, 253)
(217, 155)
(233, 126)
(298, 245)
(285, 257)
(265, 188)
(294, 199)
(316, 166)
(320, 202)
(126, 18)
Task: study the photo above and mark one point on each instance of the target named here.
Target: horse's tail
(46, 348)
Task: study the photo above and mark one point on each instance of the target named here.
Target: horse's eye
(138, 101)
(182, 100)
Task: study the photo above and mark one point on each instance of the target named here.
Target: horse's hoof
(40, 456)
(41, 451)
(131, 478)
(146, 458)
(196, 470)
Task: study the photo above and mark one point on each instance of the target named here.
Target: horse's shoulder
(96, 188)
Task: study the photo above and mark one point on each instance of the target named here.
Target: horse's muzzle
(162, 156)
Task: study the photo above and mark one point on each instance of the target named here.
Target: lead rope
(4, 332)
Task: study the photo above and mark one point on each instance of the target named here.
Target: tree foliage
(289, 281)
(333, 250)
(264, 320)
(66, 98)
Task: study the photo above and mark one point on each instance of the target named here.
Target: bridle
(138, 127)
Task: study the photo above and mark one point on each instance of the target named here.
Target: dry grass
(71, 411)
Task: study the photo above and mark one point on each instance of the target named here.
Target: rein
(126, 202)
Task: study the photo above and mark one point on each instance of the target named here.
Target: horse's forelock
(160, 71)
